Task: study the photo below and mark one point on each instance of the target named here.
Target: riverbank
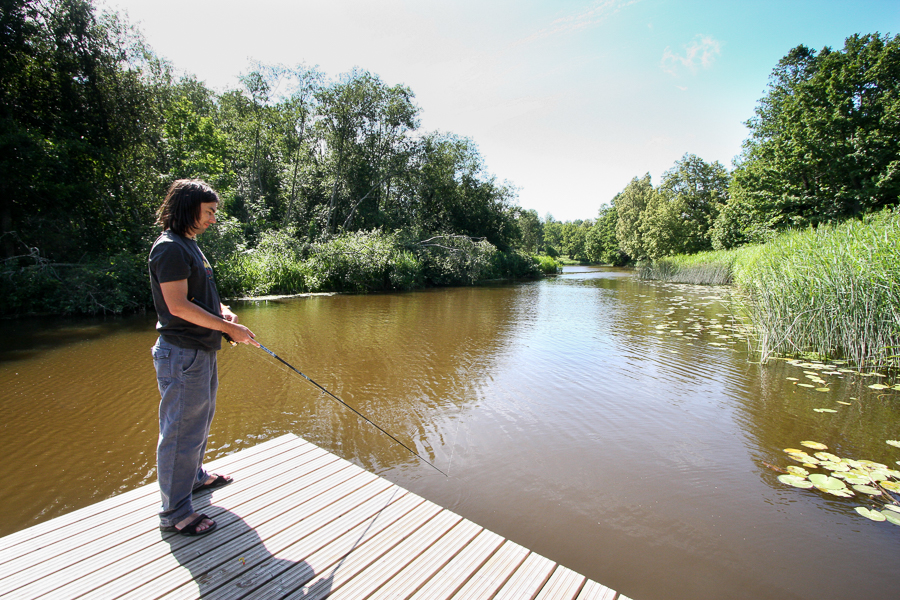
(832, 290)
(280, 265)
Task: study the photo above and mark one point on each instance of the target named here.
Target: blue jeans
(188, 380)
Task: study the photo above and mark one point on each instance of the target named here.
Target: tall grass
(830, 290)
(833, 290)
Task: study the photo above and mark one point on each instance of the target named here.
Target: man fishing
(191, 322)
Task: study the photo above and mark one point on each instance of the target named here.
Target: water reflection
(616, 426)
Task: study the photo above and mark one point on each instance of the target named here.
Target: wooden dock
(298, 522)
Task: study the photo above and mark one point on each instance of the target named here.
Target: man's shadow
(234, 556)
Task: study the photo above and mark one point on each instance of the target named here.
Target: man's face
(207, 217)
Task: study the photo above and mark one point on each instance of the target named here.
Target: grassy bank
(834, 291)
(279, 264)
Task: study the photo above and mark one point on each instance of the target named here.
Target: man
(191, 322)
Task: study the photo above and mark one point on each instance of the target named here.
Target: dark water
(617, 427)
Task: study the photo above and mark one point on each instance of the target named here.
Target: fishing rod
(301, 374)
(369, 421)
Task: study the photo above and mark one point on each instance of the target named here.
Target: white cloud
(598, 12)
(700, 53)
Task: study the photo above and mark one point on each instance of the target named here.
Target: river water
(618, 427)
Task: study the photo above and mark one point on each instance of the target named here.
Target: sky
(567, 100)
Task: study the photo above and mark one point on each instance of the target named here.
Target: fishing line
(369, 421)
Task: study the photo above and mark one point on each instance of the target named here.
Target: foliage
(601, 244)
(630, 206)
(832, 290)
(94, 126)
(824, 143)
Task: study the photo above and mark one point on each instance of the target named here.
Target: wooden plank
(298, 523)
(404, 583)
(595, 591)
(334, 552)
(528, 579)
(493, 573)
(455, 573)
(361, 556)
(102, 528)
(171, 551)
(378, 572)
(262, 542)
(564, 584)
(83, 519)
(116, 559)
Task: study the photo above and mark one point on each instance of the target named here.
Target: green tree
(630, 205)
(532, 230)
(601, 244)
(825, 140)
(678, 218)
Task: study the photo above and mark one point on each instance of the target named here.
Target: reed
(832, 290)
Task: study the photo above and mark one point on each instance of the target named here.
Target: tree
(825, 139)
(600, 243)
(630, 204)
(678, 218)
(532, 230)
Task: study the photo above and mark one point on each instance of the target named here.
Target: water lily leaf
(814, 445)
(873, 465)
(825, 482)
(824, 410)
(891, 517)
(792, 379)
(842, 493)
(806, 385)
(878, 386)
(794, 451)
(879, 476)
(827, 456)
(824, 390)
(845, 403)
(893, 507)
(870, 514)
(867, 489)
(854, 479)
(892, 486)
(895, 443)
(795, 481)
(798, 471)
(893, 473)
(834, 466)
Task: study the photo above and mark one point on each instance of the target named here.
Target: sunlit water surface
(618, 427)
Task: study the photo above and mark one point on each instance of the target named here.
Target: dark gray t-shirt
(173, 258)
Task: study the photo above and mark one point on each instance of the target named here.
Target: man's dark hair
(181, 208)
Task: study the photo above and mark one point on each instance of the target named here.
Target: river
(618, 427)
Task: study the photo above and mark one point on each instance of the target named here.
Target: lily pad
(893, 507)
(824, 410)
(854, 479)
(894, 443)
(834, 466)
(814, 445)
(806, 385)
(824, 482)
(827, 456)
(825, 390)
(892, 486)
(891, 517)
(870, 514)
(795, 481)
(878, 386)
(798, 471)
(867, 489)
(845, 403)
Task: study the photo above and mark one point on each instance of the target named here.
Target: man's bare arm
(175, 296)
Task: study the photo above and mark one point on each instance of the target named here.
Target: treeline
(824, 147)
(94, 126)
